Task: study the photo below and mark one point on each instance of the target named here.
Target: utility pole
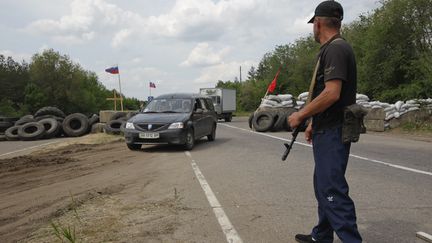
(240, 75)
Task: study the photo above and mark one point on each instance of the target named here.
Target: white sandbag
(413, 109)
(265, 105)
(285, 103)
(285, 97)
(270, 102)
(301, 103)
(385, 105)
(390, 108)
(407, 106)
(389, 117)
(398, 105)
(375, 103)
(273, 98)
(411, 102)
(376, 107)
(362, 97)
(396, 114)
(303, 96)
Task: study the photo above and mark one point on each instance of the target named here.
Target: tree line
(52, 79)
(393, 48)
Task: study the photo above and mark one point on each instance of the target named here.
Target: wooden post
(115, 100)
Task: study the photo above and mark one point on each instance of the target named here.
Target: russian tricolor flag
(112, 70)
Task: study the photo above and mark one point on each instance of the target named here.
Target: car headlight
(130, 125)
(176, 125)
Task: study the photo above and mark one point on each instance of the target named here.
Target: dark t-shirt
(337, 62)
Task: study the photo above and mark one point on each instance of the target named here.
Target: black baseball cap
(328, 9)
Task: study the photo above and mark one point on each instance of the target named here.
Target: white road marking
(227, 228)
(29, 148)
(351, 155)
(424, 236)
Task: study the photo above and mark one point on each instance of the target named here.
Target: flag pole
(121, 96)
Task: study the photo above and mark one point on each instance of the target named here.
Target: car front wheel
(212, 135)
(190, 140)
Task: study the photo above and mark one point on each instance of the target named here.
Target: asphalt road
(268, 200)
(242, 190)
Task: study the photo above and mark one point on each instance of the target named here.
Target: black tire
(93, 119)
(189, 140)
(50, 110)
(212, 135)
(114, 127)
(52, 127)
(12, 133)
(118, 115)
(75, 125)
(280, 123)
(25, 119)
(228, 118)
(251, 116)
(31, 131)
(263, 121)
(59, 119)
(134, 147)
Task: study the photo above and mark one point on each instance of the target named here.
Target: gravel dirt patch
(95, 186)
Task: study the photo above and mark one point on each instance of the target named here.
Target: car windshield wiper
(150, 112)
(169, 112)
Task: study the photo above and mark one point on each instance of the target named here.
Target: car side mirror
(199, 111)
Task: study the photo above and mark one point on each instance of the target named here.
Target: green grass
(425, 126)
(242, 113)
(64, 233)
(67, 233)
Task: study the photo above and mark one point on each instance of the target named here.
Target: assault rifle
(294, 136)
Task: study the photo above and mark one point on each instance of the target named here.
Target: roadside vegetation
(52, 79)
(393, 47)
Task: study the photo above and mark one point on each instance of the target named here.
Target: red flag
(152, 85)
(112, 70)
(272, 85)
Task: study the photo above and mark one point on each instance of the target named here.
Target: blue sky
(179, 45)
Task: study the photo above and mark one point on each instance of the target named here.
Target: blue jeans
(336, 211)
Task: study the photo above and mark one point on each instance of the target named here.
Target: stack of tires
(266, 119)
(5, 123)
(117, 122)
(49, 122)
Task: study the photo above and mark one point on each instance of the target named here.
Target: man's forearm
(323, 101)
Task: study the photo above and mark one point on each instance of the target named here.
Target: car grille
(154, 127)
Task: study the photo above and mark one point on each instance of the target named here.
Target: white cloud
(180, 44)
(204, 55)
(224, 71)
(120, 37)
(18, 57)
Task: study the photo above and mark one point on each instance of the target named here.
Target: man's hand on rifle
(295, 119)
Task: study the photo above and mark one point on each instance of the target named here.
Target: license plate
(149, 135)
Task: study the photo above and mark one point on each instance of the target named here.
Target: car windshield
(169, 106)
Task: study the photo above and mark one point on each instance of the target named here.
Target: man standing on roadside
(335, 88)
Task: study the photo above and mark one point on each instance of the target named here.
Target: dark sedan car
(172, 119)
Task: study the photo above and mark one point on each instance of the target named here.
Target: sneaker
(304, 239)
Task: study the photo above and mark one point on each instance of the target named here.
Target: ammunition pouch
(353, 124)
